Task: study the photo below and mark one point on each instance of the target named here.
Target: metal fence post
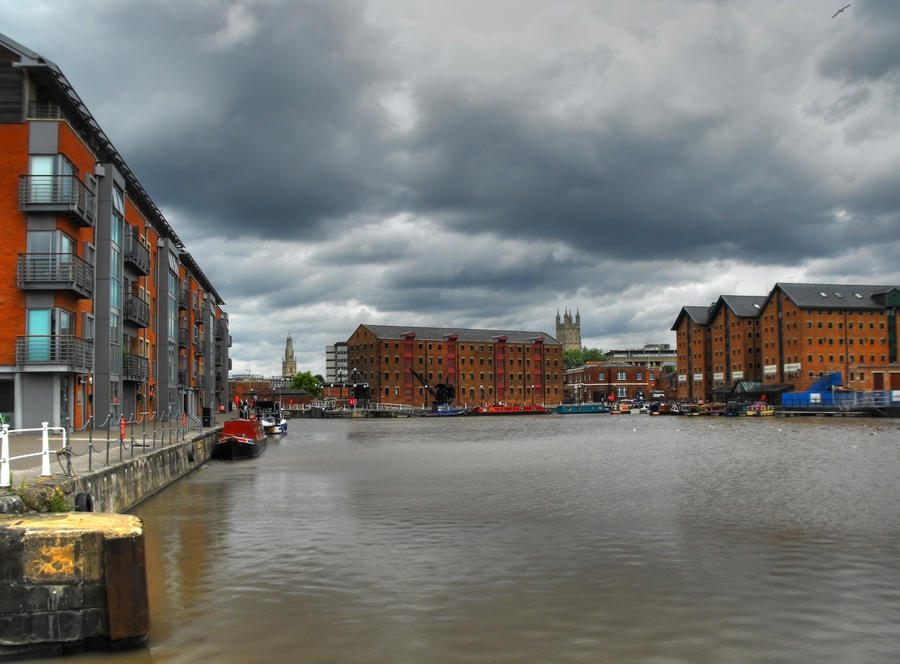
(4, 455)
(45, 450)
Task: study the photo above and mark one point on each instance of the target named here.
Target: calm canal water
(584, 538)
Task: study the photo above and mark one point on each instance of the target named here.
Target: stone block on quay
(55, 580)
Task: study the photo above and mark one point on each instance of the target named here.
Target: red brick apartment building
(790, 338)
(105, 311)
(596, 382)
(482, 366)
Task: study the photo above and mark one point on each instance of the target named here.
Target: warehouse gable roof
(463, 334)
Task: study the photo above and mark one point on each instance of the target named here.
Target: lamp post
(532, 396)
(481, 387)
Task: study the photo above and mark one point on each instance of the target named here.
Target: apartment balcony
(58, 194)
(55, 352)
(136, 254)
(183, 337)
(229, 341)
(220, 357)
(199, 349)
(184, 298)
(137, 311)
(183, 378)
(56, 272)
(135, 368)
(221, 329)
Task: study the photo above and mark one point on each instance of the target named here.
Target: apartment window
(115, 274)
(620, 375)
(50, 242)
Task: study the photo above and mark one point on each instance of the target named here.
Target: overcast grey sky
(483, 164)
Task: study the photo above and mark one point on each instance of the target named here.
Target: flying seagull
(840, 10)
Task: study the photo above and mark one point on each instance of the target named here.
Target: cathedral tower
(568, 330)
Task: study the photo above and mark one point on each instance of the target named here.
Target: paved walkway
(146, 438)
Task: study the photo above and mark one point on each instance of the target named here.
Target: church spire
(289, 363)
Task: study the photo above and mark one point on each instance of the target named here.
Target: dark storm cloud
(872, 51)
(286, 135)
(282, 136)
(452, 163)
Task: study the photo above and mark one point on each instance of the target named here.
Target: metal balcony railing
(56, 272)
(184, 298)
(137, 311)
(64, 194)
(135, 367)
(136, 254)
(73, 353)
(45, 111)
(183, 378)
(183, 337)
(199, 349)
(221, 329)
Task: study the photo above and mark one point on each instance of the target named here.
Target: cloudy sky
(486, 163)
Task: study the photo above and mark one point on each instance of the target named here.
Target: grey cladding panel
(10, 92)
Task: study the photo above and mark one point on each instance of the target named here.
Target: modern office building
(336, 369)
(398, 364)
(649, 355)
(106, 313)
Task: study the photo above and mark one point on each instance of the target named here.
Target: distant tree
(305, 381)
(320, 378)
(576, 358)
(668, 368)
(592, 355)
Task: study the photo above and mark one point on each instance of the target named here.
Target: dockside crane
(442, 394)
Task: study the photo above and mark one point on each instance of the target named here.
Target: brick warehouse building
(602, 382)
(798, 332)
(483, 366)
(105, 312)
(692, 352)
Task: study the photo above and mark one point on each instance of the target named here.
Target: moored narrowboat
(240, 439)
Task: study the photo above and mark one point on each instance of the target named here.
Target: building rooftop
(744, 306)
(462, 334)
(835, 296)
(700, 315)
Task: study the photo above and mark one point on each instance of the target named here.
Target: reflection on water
(555, 539)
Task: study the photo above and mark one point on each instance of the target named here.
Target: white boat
(270, 417)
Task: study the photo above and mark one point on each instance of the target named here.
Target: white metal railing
(5, 458)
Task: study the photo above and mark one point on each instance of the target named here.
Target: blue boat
(445, 410)
(573, 408)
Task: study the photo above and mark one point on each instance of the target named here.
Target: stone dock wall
(121, 486)
(76, 581)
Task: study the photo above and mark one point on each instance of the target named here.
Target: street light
(532, 396)
(482, 394)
